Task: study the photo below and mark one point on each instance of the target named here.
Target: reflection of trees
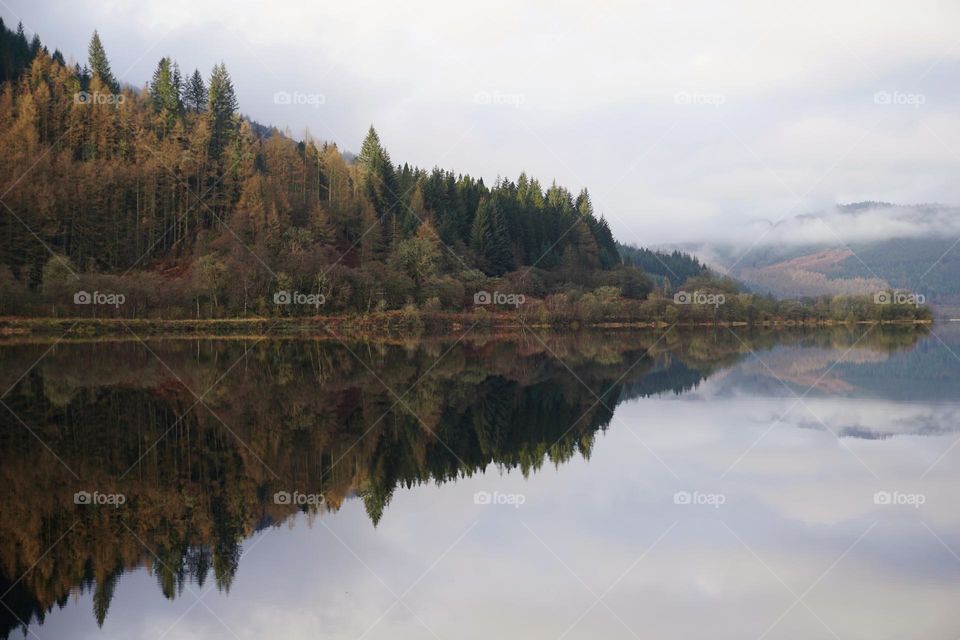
(315, 417)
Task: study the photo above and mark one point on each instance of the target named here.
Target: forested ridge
(676, 267)
(171, 182)
(165, 202)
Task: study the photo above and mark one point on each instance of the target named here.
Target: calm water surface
(681, 485)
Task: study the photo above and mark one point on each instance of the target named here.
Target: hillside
(910, 248)
(173, 197)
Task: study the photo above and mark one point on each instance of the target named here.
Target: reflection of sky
(799, 515)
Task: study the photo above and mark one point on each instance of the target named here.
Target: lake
(726, 483)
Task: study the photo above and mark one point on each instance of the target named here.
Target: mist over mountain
(857, 248)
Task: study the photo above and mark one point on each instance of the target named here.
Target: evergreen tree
(195, 93)
(378, 178)
(14, 52)
(102, 597)
(584, 206)
(222, 108)
(488, 238)
(99, 65)
(164, 90)
(178, 81)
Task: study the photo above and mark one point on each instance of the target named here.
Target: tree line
(168, 186)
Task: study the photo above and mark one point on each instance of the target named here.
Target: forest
(166, 202)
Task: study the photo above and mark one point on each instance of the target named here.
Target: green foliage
(488, 237)
(16, 54)
(378, 179)
(195, 93)
(676, 267)
(165, 92)
(58, 275)
(417, 257)
(99, 65)
(222, 108)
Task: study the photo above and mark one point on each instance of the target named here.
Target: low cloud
(845, 225)
(866, 223)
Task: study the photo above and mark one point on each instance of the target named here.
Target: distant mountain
(859, 248)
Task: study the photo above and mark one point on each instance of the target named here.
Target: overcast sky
(686, 120)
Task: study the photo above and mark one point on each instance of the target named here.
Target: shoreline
(385, 325)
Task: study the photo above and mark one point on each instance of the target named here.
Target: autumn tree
(418, 256)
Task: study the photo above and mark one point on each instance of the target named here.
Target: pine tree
(608, 252)
(102, 597)
(195, 93)
(99, 65)
(164, 90)
(488, 238)
(222, 107)
(378, 177)
(177, 78)
(584, 206)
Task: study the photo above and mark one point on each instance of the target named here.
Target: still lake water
(708, 484)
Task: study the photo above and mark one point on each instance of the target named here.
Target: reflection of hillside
(928, 372)
(813, 368)
(296, 415)
(823, 363)
(880, 365)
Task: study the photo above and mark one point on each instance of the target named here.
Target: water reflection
(200, 438)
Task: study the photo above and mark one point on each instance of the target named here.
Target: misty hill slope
(853, 249)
